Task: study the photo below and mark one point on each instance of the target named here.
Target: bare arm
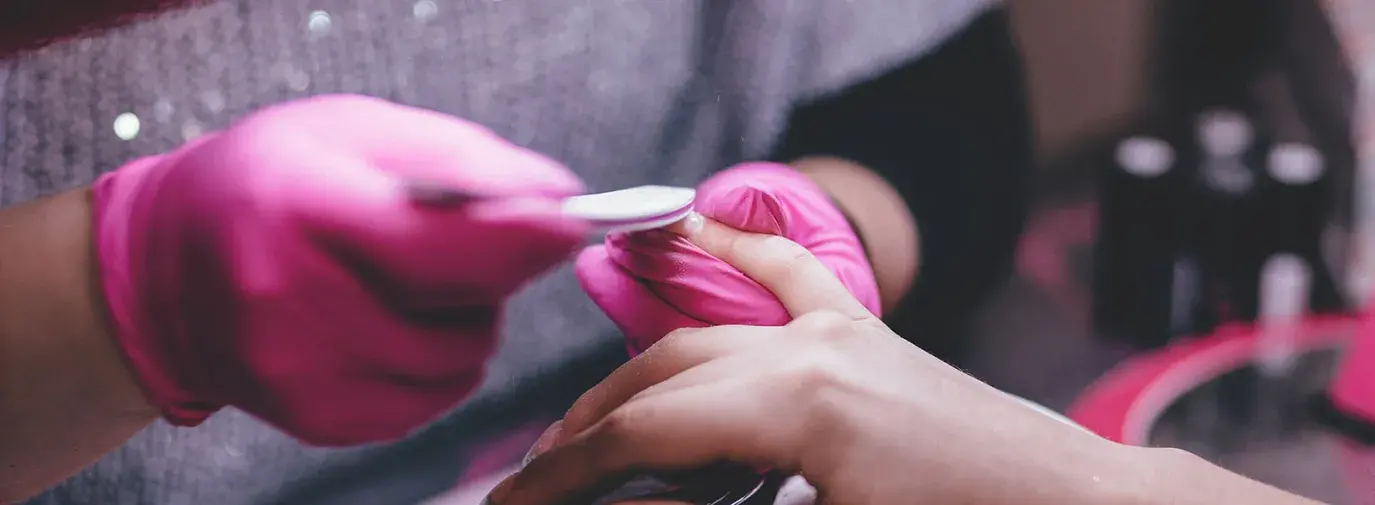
(1153, 476)
(1176, 477)
(30, 24)
(66, 397)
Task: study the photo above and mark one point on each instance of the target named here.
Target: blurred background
(1198, 257)
(1101, 74)
(1080, 90)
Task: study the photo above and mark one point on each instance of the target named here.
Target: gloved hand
(280, 267)
(655, 282)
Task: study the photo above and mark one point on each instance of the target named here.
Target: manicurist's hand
(287, 266)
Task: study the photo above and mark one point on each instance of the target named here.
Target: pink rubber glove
(655, 282)
(280, 267)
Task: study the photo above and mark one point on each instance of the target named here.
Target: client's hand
(653, 283)
(834, 395)
(281, 267)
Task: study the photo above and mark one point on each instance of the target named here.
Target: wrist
(63, 383)
(133, 231)
(52, 280)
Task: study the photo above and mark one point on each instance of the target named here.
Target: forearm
(66, 397)
(880, 218)
(29, 24)
(1175, 477)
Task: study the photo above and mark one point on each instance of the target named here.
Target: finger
(787, 269)
(455, 256)
(353, 196)
(460, 152)
(545, 442)
(695, 282)
(670, 359)
(687, 429)
(767, 198)
(499, 244)
(733, 367)
(776, 199)
(416, 144)
(482, 165)
(640, 314)
(439, 343)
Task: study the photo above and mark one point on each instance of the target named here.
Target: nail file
(626, 210)
(634, 209)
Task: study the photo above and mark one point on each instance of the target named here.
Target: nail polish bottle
(1297, 208)
(1229, 208)
(1136, 244)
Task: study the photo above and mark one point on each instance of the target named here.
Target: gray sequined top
(625, 92)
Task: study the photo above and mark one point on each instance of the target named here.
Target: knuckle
(619, 427)
(677, 338)
(825, 324)
(818, 386)
(875, 325)
(789, 253)
(780, 257)
(783, 247)
(816, 370)
(582, 411)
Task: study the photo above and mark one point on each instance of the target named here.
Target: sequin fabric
(625, 92)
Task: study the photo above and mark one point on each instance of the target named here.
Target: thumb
(784, 267)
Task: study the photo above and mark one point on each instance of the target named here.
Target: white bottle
(1295, 164)
(1223, 137)
(1145, 157)
(1285, 283)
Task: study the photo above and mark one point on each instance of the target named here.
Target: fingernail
(544, 443)
(691, 224)
(529, 455)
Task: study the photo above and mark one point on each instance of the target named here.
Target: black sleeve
(951, 131)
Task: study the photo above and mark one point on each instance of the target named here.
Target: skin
(864, 415)
(66, 394)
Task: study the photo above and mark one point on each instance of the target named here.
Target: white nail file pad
(626, 210)
(634, 209)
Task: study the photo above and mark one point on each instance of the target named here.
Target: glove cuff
(143, 321)
(850, 221)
